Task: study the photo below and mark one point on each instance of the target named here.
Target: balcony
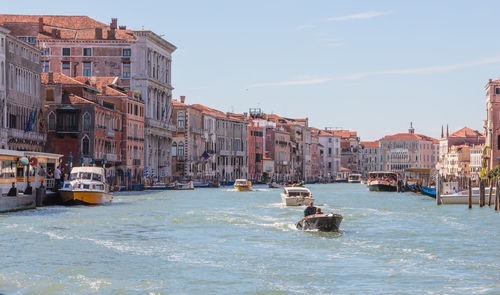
(34, 136)
(195, 130)
(110, 132)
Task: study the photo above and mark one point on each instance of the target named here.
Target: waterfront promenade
(218, 241)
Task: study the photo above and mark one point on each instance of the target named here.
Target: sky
(368, 66)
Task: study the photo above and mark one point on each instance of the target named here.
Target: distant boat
(354, 178)
(274, 185)
(321, 222)
(185, 185)
(201, 184)
(243, 185)
(385, 181)
(429, 191)
(296, 196)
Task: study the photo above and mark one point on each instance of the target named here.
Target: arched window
(52, 121)
(85, 145)
(180, 149)
(174, 149)
(180, 119)
(86, 122)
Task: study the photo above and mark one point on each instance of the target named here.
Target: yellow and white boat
(243, 185)
(87, 185)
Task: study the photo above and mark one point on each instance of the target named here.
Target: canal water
(218, 241)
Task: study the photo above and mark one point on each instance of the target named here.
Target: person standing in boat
(310, 209)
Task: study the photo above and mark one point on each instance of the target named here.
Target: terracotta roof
(372, 144)
(466, 132)
(62, 79)
(409, 136)
(344, 134)
(175, 102)
(102, 84)
(75, 99)
(70, 27)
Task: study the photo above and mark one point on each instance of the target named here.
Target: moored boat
(429, 191)
(189, 185)
(87, 185)
(274, 185)
(296, 196)
(321, 222)
(462, 197)
(384, 181)
(243, 185)
(354, 178)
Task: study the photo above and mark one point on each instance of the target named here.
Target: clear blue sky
(370, 66)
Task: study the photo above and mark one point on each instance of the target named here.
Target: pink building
(492, 123)
(255, 152)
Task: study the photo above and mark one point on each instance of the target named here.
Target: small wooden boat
(321, 222)
(429, 191)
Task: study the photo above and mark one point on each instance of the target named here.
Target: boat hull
(295, 201)
(327, 223)
(428, 191)
(354, 181)
(382, 188)
(243, 188)
(85, 197)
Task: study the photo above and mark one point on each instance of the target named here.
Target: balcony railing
(16, 133)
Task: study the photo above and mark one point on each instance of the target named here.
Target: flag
(205, 156)
(28, 126)
(34, 117)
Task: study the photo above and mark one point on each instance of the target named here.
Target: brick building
(255, 152)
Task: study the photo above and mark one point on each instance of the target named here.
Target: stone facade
(331, 155)
(3, 91)
(371, 159)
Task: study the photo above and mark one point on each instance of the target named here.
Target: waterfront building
(21, 105)
(278, 148)
(81, 127)
(454, 151)
(408, 150)
(331, 154)
(231, 147)
(492, 124)
(255, 152)
(316, 156)
(3, 93)
(476, 160)
(82, 46)
(371, 159)
(350, 155)
(189, 146)
(131, 106)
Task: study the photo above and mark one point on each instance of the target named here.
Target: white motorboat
(296, 196)
(462, 197)
(354, 178)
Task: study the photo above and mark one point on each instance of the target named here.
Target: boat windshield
(86, 175)
(298, 194)
(96, 177)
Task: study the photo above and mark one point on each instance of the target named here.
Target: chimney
(98, 33)
(40, 25)
(123, 27)
(114, 23)
(183, 98)
(51, 78)
(111, 34)
(56, 33)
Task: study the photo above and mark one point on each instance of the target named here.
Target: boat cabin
(384, 175)
(297, 192)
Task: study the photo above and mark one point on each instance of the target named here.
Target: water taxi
(296, 196)
(87, 185)
(243, 185)
(384, 181)
(354, 178)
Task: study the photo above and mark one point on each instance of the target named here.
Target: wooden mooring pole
(470, 194)
(491, 191)
(497, 196)
(481, 193)
(439, 188)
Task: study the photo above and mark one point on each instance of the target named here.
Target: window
(85, 146)
(126, 69)
(87, 68)
(497, 90)
(180, 149)
(49, 95)
(86, 122)
(66, 68)
(32, 40)
(22, 39)
(498, 142)
(87, 51)
(174, 149)
(45, 66)
(66, 51)
(127, 52)
(46, 51)
(180, 119)
(52, 122)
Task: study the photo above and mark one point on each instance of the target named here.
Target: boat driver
(310, 210)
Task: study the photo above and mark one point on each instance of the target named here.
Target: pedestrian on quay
(57, 177)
